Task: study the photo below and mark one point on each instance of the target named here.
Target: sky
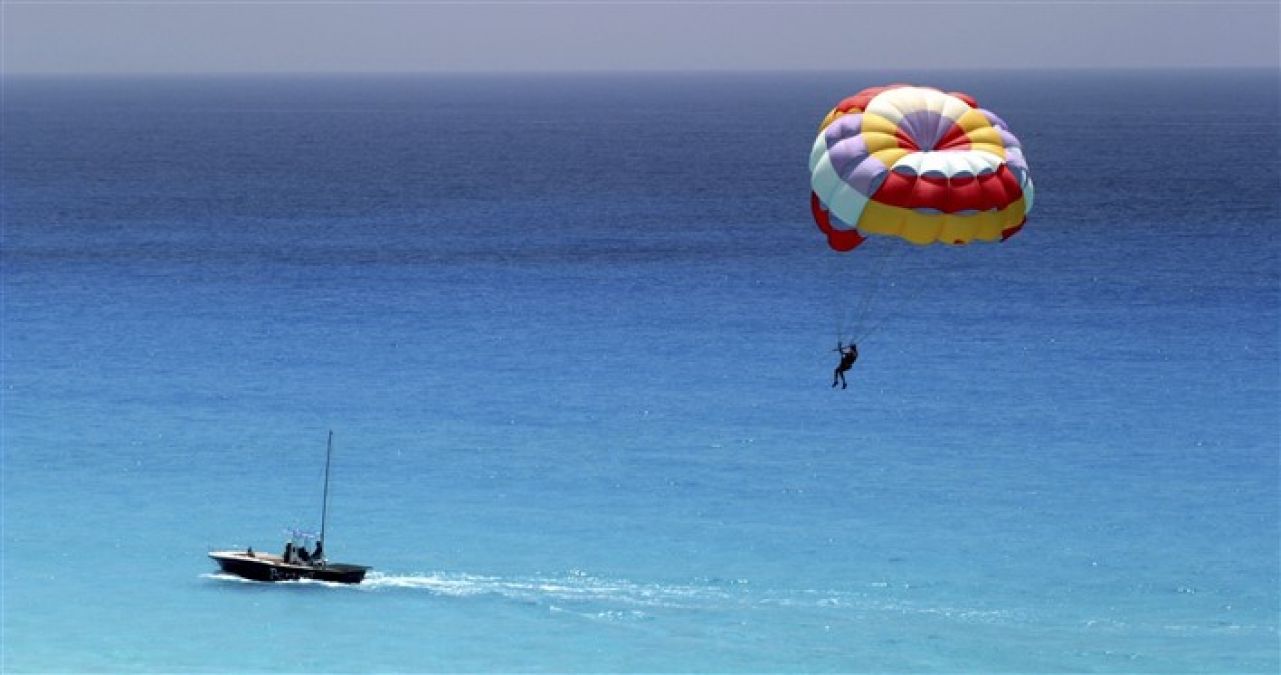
(253, 36)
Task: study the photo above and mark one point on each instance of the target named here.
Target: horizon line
(638, 71)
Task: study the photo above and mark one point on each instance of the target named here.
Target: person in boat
(849, 354)
(250, 552)
(288, 557)
(319, 554)
(303, 556)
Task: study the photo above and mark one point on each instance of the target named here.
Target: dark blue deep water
(574, 337)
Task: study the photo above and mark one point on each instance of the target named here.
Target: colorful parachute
(919, 164)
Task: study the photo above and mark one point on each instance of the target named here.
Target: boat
(296, 562)
(263, 567)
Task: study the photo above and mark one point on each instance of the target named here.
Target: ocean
(574, 333)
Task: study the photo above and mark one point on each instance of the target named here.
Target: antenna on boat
(324, 508)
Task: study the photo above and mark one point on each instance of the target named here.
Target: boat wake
(231, 578)
(575, 587)
(583, 594)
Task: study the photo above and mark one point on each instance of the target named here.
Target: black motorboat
(262, 567)
(295, 563)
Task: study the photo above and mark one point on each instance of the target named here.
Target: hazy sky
(290, 35)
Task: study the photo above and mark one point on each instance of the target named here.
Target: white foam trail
(231, 578)
(228, 578)
(555, 591)
(580, 594)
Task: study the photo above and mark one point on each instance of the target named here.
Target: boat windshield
(301, 537)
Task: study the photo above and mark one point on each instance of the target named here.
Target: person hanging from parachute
(917, 164)
(848, 356)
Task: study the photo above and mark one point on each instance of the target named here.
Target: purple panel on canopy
(1008, 139)
(843, 127)
(847, 153)
(867, 176)
(926, 127)
(993, 119)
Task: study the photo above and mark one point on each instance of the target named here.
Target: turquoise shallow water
(577, 363)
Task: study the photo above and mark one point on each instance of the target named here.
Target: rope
(884, 317)
(867, 298)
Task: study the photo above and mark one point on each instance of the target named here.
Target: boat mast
(324, 508)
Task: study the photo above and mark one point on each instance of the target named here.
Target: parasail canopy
(919, 164)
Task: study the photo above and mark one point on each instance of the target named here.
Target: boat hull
(260, 567)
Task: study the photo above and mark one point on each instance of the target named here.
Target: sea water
(574, 337)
